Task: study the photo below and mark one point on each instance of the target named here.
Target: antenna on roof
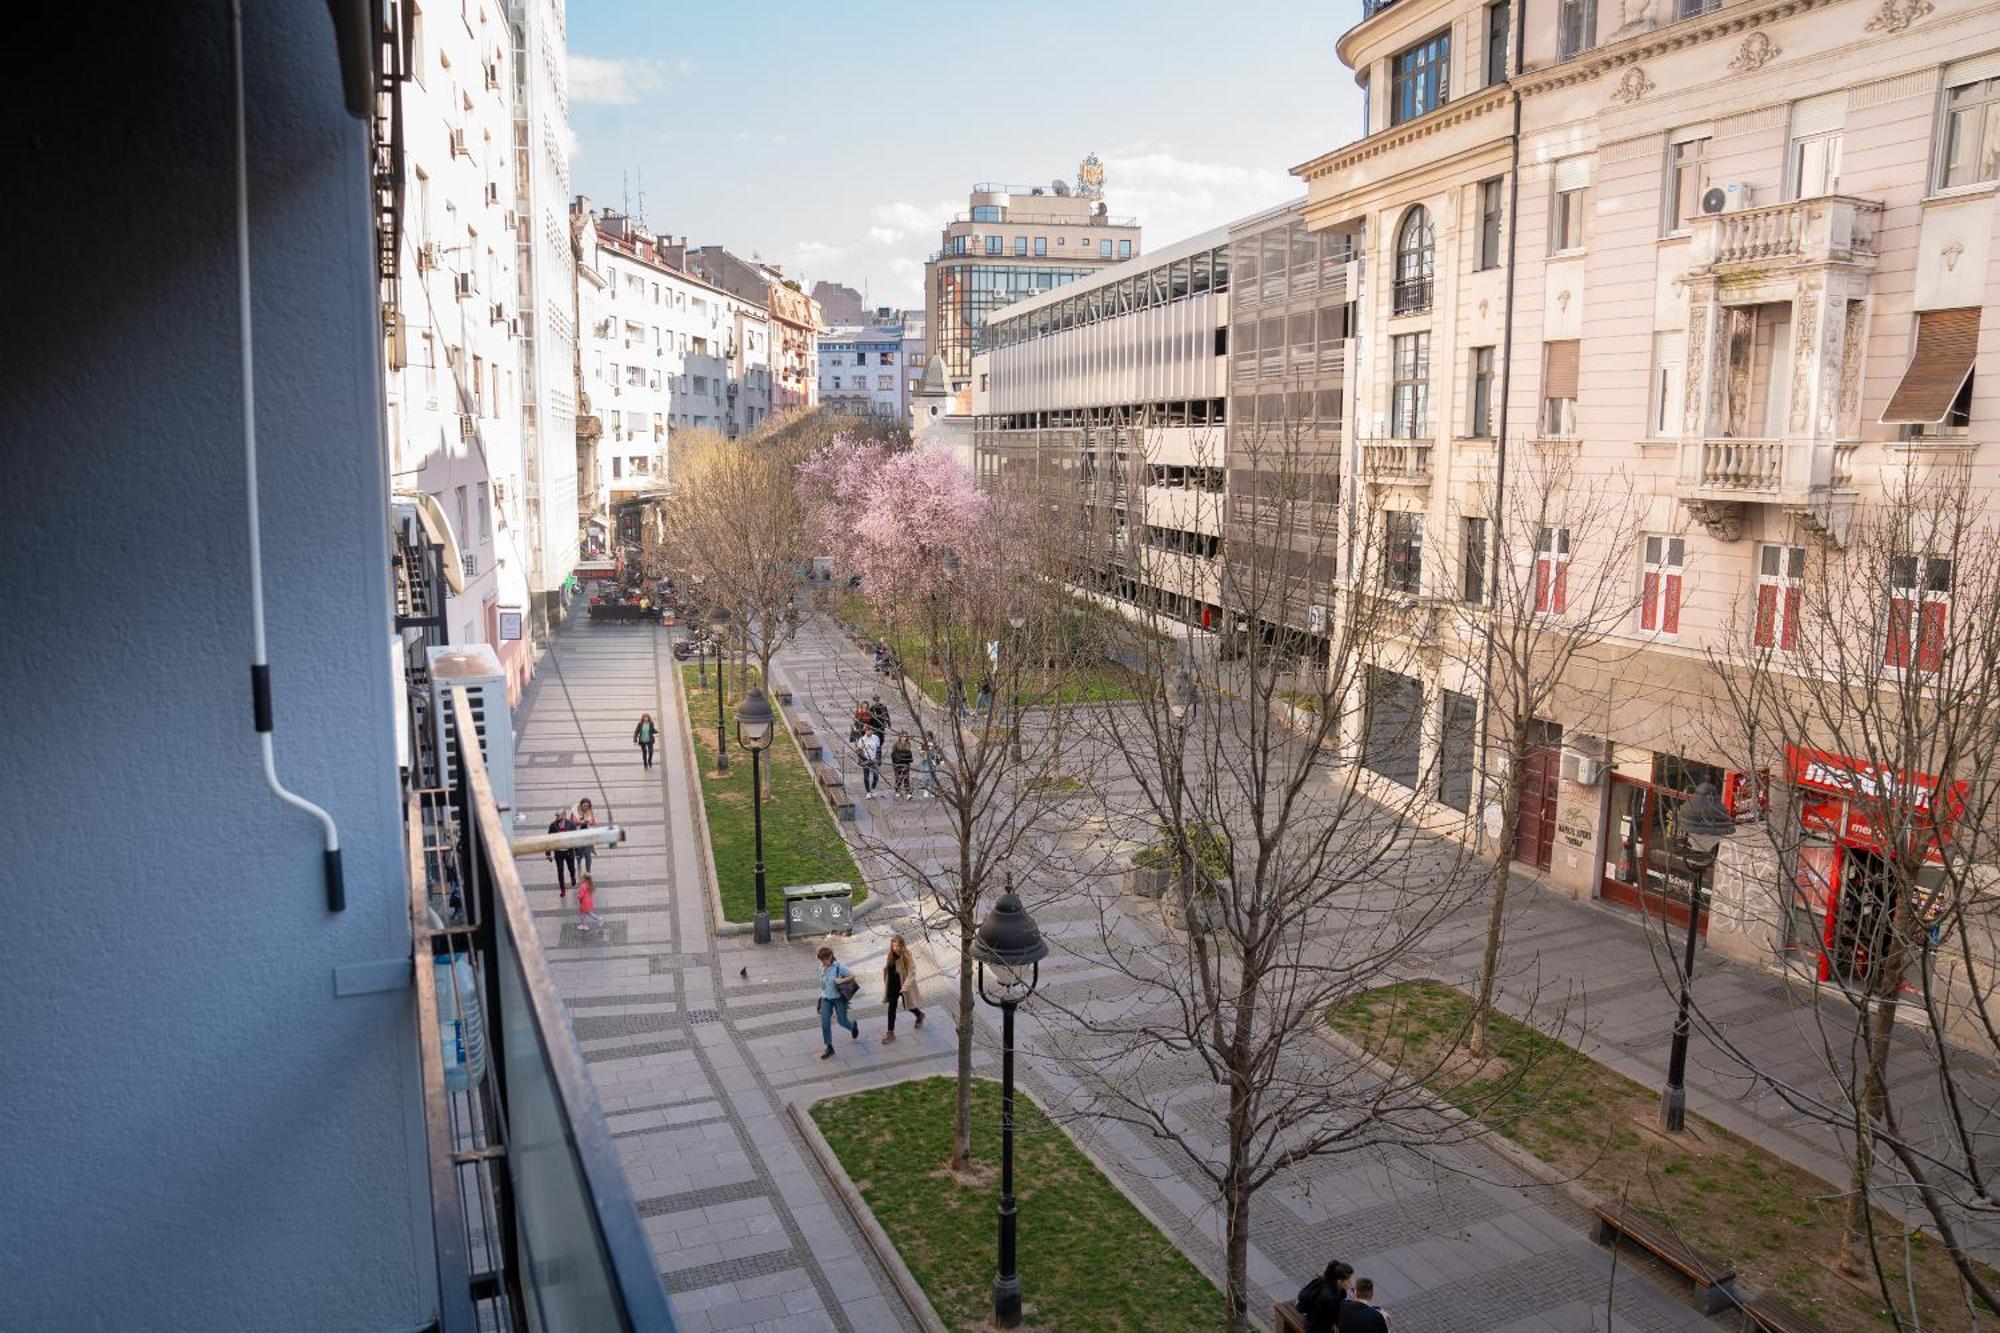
(642, 199)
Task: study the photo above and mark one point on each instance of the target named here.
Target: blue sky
(836, 138)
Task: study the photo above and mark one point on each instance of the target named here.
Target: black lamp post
(1018, 620)
(1009, 949)
(753, 733)
(1699, 826)
(721, 623)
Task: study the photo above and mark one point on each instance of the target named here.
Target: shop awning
(1946, 340)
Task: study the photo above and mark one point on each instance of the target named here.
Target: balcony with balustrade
(1397, 461)
(1829, 229)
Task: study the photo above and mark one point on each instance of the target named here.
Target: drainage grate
(702, 1016)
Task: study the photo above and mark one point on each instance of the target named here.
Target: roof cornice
(1483, 102)
(1655, 42)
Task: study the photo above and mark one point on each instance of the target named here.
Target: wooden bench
(834, 787)
(1712, 1279)
(808, 740)
(1774, 1316)
(782, 695)
(1285, 1318)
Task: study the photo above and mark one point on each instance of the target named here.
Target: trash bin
(818, 909)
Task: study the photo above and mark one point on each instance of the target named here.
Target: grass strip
(1105, 682)
(1088, 1258)
(1778, 1224)
(802, 844)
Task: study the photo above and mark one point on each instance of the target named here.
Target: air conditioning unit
(1728, 198)
(471, 564)
(468, 430)
(475, 668)
(463, 284)
(1583, 769)
(393, 338)
(458, 148)
(429, 257)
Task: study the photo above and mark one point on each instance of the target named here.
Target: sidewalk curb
(918, 1304)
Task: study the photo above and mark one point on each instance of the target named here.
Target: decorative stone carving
(1896, 15)
(1850, 362)
(1739, 353)
(1482, 307)
(1805, 361)
(1950, 253)
(1635, 85)
(1757, 51)
(1722, 518)
(1694, 370)
(1562, 300)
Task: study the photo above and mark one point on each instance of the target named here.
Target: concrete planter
(1148, 881)
(1203, 915)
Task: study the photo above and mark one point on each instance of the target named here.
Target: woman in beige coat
(899, 984)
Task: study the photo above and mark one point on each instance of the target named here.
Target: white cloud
(884, 235)
(1175, 197)
(610, 82)
(685, 64)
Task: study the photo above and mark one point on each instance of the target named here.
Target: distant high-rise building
(1013, 242)
(839, 304)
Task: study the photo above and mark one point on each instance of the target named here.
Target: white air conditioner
(1582, 769)
(1728, 198)
(462, 284)
(475, 668)
(467, 431)
(429, 257)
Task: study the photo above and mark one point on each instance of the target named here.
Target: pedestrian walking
(1319, 1301)
(985, 694)
(586, 857)
(878, 717)
(899, 765)
(642, 736)
(932, 753)
(564, 858)
(587, 918)
(899, 984)
(868, 750)
(837, 986)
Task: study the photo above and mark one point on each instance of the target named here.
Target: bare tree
(1863, 690)
(1299, 880)
(1541, 593)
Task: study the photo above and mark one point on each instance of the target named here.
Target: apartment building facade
(793, 316)
(862, 367)
(1747, 249)
(1013, 243)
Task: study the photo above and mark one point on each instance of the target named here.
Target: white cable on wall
(260, 668)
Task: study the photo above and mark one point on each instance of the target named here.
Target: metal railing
(1412, 296)
(532, 1216)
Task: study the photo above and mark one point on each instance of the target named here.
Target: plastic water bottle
(461, 1033)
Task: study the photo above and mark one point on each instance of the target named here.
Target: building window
(1552, 572)
(485, 514)
(1489, 223)
(1687, 177)
(1021, 246)
(1664, 402)
(1566, 208)
(1559, 377)
(1482, 392)
(957, 248)
(1688, 9)
(1919, 612)
(1660, 585)
(1458, 743)
(1392, 736)
(1402, 551)
(1124, 249)
(986, 212)
(1041, 245)
(1497, 24)
(1970, 152)
(1472, 560)
(1104, 248)
(1576, 27)
(1410, 405)
(1781, 573)
(993, 244)
(1815, 167)
(1416, 257)
(1418, 78)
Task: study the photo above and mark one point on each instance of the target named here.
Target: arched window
(1416, 254)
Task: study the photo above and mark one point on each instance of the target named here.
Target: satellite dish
(1714, 199)
(1061, 187)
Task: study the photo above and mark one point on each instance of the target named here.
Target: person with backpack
(643, 736)
(868, 750)
(1320, 1300)
(837, 987)
(899, 764)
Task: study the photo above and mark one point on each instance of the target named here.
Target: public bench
(1712, 1279)
(783, 695)
(834, 787)
(1774, 1316)
(808, 739)
(1287, 1319)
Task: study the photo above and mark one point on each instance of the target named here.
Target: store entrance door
(1535, 826)
(1640, 870)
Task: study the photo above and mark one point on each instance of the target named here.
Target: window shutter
(1670, 605)
(1819, 115)
(1572, 173)
(1560, 599)
(1896, 651)
(1931, 635)
(1559, 369)
(1649, 617)
(1946, 341)
(1790, 638)
(1767, 610)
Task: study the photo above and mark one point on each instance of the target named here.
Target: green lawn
(802, 845)
(1726, 1195)
(1088, 1259)
(1106, 682)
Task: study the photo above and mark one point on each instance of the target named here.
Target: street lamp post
(1018, 620)
(753, 732)
(720, 622)
(1009, 949)
(1699, 826)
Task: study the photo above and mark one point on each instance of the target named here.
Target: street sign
(818, 909)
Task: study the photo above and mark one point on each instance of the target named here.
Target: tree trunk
(961, 1121)
(1236, 1247)
(1854, 1257)
(1503, 866)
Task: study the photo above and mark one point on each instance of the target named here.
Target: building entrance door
(1535, 826)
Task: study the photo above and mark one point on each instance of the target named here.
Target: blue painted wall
(195, 1133)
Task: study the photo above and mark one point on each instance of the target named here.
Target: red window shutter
(1767, 610)
(1670, 606)
(1896, 651)
(1561, 595)
(1790, 639)
(1931, 635)
(1649, 591)
(1541, 584)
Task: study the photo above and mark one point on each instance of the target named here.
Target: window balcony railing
(532, 1217)
(1396, 460)
(1412, 296)
(1829, 229)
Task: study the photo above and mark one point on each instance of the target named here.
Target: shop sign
(1850, 788)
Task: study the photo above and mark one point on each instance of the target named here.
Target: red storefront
(1844, 890)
